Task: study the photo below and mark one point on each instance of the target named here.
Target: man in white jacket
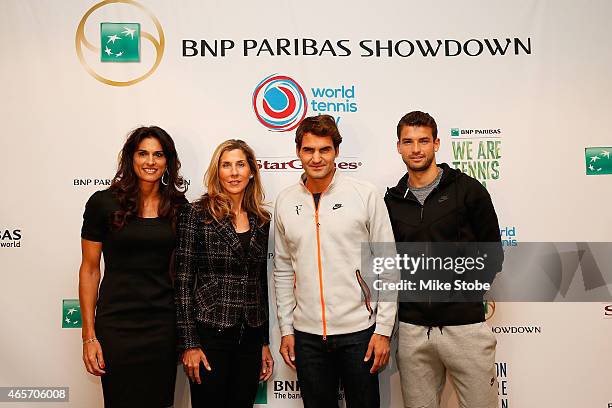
(333, 330)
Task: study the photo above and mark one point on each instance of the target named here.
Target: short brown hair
(418, 118)
(320, 125)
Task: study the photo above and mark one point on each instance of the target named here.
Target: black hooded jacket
(459, 209)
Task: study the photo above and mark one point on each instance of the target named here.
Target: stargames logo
(290, 163)
(279, 103)
(119, 43)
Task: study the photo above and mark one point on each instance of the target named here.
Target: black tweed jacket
(218, 283)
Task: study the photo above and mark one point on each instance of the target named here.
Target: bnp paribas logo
(71, 314)
(455, 132)
(262, 393)
(104, 44)
(120, 42)
(598, 160)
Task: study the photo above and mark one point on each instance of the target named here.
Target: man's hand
(379, 346)
(287, 350)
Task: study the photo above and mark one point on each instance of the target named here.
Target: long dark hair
(125, 185)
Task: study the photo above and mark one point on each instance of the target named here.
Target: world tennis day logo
(120, 42)
(279, 103)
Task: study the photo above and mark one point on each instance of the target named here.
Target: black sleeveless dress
(135, 316)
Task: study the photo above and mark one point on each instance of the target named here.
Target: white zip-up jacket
(317, 261)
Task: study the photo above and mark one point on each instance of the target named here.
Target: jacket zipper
(421, 221)
(422, 207)
(435, 189)
(320, 265)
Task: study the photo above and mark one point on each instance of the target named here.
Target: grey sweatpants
(466, 352)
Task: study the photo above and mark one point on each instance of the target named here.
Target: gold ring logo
(81, 41)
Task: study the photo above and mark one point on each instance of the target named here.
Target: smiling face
(149, 160)
(234, 171)
(317, 155)
(418, 147)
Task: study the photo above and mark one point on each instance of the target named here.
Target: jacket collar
(225, 229)
(335, 180)
(448, 176)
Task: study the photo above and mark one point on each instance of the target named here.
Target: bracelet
(89, 340)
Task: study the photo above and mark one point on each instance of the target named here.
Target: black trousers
(234, 356)
(323, 364)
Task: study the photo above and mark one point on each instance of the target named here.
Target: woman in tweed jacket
(221, 283)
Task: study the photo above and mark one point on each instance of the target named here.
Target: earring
(251, 176)
(167, 174)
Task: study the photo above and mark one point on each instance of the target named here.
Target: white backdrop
(541, 104)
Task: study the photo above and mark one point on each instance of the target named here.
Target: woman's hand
(89, 280)
(92, 357)
(191, 363)
(267, 363)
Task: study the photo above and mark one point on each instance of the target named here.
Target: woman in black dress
(222, 283)
(129, 325)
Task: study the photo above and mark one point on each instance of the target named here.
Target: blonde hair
(216, 203)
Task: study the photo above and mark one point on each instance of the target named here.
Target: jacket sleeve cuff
(286, 330)
(383, 329)
(189, 341)
(189, 345)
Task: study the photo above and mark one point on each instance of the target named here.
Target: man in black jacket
(434, 203)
